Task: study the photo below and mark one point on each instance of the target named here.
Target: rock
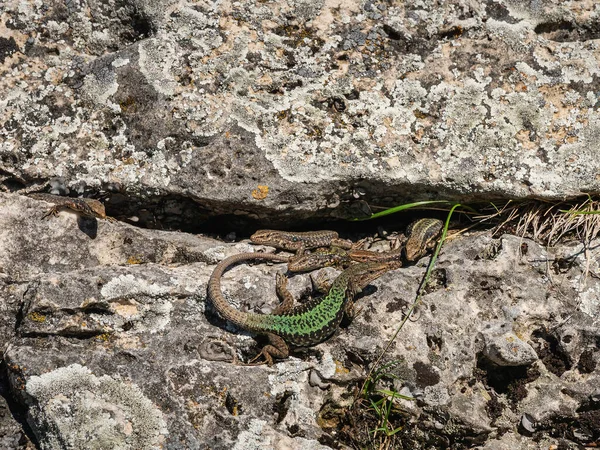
(219, 117)
(72, 408)
(293, 110)
(147, 329)
(506, 349)
(12, 434)
(527, 424)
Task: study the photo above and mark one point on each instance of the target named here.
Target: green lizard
(303, 325)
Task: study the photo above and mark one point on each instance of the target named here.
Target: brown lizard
(422, 236)
(87, 207)
(299, 241)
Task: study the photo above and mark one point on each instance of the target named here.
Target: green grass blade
(394, 431)
(393, 394)
(376, 407)
(399, 208)
(419, 291)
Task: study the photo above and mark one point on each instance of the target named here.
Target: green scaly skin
(303, 325)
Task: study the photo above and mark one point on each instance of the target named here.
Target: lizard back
(309, 323)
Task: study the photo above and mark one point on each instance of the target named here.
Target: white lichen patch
(259, 435)
(67, 125)
(73, 408)
(120, 62)
(130, 285)
(146, 305)
(100, 89)
(590, 302)
(157, 58)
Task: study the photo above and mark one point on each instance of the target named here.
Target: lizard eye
(294, 239)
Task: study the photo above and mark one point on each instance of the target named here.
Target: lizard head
(423, 235)
(96, 208)
(276, 238)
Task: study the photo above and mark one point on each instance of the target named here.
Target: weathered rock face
(298, 106)
(124, 351)
(174, 112)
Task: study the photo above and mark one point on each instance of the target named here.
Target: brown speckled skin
(422, 236)
(336, 257)
(87, 207)
(298, 241)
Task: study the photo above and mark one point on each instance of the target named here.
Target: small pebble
(316, 380)
(507, 349)
(527, 424)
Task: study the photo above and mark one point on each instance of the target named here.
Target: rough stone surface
(299, 107)
(118, 346)
(204, 116)
(506, 349)
(12, 435)
(71, 406)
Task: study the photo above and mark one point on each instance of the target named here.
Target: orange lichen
(260, 192)
(37, 317)
(339, 368)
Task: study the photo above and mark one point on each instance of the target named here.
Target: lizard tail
(226, 311)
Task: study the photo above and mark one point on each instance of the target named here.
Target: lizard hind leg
(360, 244)
(276, 348)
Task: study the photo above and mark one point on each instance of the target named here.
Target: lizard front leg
(321, 283)
(358, 245)
(52, 212)
(351, 310)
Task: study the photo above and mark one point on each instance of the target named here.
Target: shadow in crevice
(17, 409)
(568, 31)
